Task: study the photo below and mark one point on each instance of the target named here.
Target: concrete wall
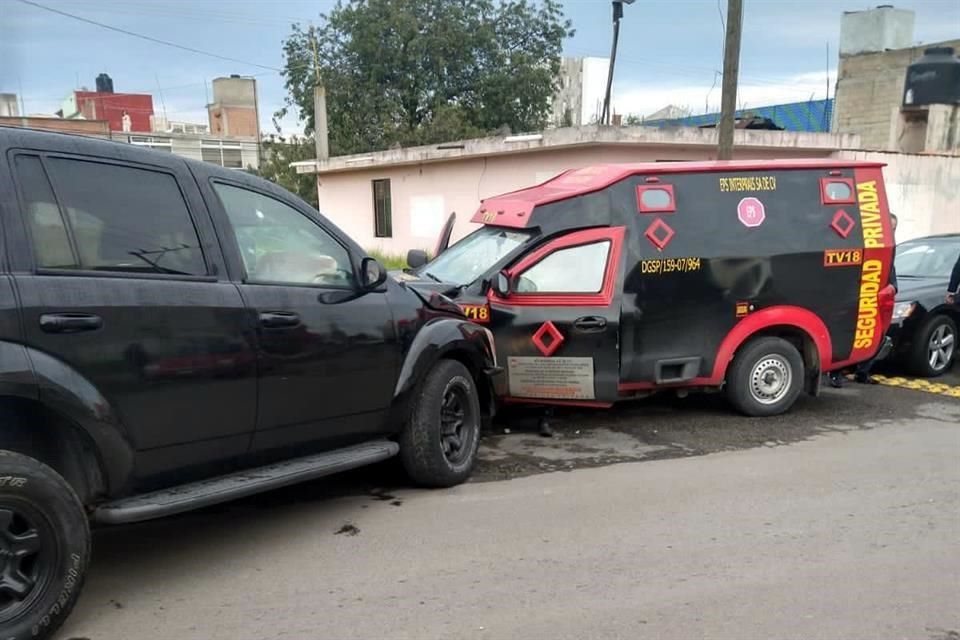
(567, 100)
(236, 92)
(923, 190)
(928, 129)
(875, 30)
(583, 83)
(870, 88)
(423, 195)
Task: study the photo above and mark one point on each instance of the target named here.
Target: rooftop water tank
(104, 83)
(933, 79)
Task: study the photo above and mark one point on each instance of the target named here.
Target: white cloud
(646, 98)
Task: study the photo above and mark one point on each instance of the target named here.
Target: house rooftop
(570, 137)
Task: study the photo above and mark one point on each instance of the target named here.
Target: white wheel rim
(770, 379)
(940, 348)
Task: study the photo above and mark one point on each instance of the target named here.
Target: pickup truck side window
(280, 245)
(124, 219)
(51, 245)
(572, 270)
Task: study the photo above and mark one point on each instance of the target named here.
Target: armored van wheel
(44, 547)
(933, 347)
(766, 377)
(439, 443)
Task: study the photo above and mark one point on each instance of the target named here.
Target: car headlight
(902, 310)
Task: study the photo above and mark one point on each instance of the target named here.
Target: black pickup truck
(174, 334)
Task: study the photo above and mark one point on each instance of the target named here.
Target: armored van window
(836, 191)
(655, 198)
(577, 269)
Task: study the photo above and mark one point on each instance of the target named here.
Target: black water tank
(933, 79)
(104, 83)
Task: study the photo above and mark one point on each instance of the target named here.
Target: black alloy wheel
(438, 446)
(456, 424)
(44, 547)
(27, 559)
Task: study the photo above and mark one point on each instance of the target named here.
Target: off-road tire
(38, 496)
(918, 360)
(747, 365)
(421, 445)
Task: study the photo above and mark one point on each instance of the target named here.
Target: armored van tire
(934, 346)
(766, 377)
(438, 446)
(44, 548)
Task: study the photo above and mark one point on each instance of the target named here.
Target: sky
(670, 50)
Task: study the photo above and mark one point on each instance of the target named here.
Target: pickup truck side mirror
(372, 274)
(416, 258)
(501, 285)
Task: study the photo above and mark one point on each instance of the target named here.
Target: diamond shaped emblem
(547, 339)
(842, 223)
(659, 234)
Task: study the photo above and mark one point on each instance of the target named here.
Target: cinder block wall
(869, 88)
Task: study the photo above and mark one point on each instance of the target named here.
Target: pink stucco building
(397, 200)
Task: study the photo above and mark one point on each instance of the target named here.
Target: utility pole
(617, 15)
(731, 69)
(320, 131)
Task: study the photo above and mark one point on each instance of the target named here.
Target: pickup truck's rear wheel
(766, 377)
(439, 443)
(44, 547)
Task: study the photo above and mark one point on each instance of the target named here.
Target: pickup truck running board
(242, 483)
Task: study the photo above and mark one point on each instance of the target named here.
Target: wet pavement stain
(348, 529)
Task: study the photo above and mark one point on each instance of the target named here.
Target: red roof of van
(513, 209)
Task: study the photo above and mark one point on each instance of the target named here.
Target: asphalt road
(839, 520)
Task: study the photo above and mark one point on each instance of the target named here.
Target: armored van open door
(556, 312)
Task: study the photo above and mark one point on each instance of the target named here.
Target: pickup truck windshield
(473, 256)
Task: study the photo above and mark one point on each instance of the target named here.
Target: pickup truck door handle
(278, 319)
(69, 322)
(590, 324)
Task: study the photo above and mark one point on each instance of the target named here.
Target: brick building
(97, 128)
(233, 111)
(123, 111)
(876, 47)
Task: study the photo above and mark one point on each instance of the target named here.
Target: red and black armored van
(610, 282)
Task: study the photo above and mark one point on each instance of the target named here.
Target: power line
(145, 37)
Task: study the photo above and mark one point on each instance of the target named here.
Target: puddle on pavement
(593, 444)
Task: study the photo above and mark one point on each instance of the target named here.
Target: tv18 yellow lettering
(842, 257)
(477, 312)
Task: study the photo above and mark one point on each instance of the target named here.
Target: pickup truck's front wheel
(44, 548)
(439, 443)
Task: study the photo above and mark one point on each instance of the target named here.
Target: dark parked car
(174, 334)
(924, 329)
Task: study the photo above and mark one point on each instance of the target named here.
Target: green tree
(424, 71)
(276, 154)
